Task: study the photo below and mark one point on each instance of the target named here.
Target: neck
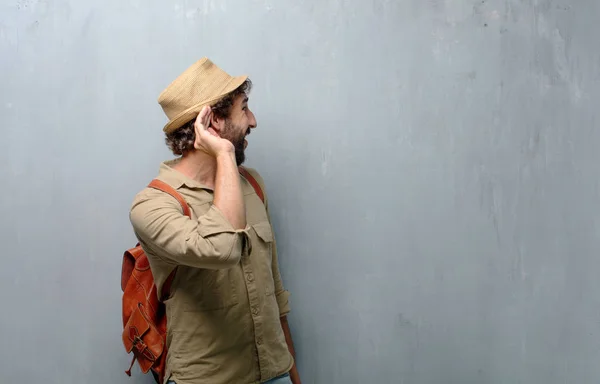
(198, 166)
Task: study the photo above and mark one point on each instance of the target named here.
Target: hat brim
(192, 112)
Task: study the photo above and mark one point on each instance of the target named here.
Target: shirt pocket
(262, 255)
(210, 289)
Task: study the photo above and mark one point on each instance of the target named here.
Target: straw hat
(201, 84)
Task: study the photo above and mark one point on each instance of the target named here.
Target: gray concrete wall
(432, 167)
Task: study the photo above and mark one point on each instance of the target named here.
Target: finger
(198, 127)
(207, 117)
(213, 132)
(204, 112)
(201, 118)
(197, 132)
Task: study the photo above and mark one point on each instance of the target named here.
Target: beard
(236, 136)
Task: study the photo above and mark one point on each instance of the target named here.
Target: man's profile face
(238, 125)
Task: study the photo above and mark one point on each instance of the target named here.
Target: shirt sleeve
(208, 242)
(281, 294)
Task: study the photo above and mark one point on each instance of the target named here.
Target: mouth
(246, 141)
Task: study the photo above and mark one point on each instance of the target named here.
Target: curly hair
(181, 141)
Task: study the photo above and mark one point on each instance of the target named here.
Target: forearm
(228, 191)
(294, 375)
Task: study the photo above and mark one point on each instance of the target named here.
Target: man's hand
(207, 139)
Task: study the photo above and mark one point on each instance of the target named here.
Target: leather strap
(244, 172)
(162, 186)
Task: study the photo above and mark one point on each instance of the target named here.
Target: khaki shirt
(223, 314)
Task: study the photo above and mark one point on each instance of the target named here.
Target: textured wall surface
(432, 167)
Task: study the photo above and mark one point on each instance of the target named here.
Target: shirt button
(259, 341)
(255, 310)
(250, 277)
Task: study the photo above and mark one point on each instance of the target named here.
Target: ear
(217, 123)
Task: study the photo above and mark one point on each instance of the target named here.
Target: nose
(252, 122)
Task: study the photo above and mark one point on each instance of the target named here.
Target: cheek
(242, 121)
(237, 131)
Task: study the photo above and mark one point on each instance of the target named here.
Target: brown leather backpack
(144, 317)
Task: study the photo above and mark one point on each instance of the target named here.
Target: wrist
(225, 156)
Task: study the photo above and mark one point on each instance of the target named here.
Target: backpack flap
(141, 338)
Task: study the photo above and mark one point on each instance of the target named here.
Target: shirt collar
(176, 179)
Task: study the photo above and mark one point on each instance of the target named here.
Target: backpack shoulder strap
(248, 176)
(162, 186)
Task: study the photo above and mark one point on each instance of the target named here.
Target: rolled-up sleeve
(208, 242)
